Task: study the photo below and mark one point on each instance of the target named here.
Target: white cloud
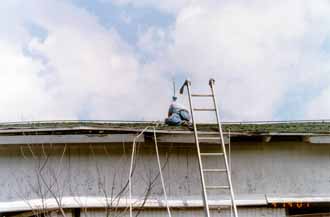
(84, 70)
(258, 52)
(20, 87)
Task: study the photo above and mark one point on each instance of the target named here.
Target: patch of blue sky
(127, 20)
(39, 33)
(326, 45)
(294, 104)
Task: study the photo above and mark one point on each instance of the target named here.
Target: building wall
(280, 168)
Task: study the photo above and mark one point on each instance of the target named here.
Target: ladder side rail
(211, 83)
(206, 204)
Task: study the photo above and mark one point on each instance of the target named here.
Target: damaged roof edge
(288, 128)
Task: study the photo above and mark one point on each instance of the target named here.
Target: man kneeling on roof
(177, 114)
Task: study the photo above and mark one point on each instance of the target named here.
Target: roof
(241, 128)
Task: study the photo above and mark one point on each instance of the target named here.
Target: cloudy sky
(116, 59)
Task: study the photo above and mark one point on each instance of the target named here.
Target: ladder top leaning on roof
(220, 153)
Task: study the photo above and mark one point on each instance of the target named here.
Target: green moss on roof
(256, 128)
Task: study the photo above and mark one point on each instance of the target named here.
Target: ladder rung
(204, 109)
(217, 187)
(209, 138)
(201, 95)
(214, 170)
(211, 154)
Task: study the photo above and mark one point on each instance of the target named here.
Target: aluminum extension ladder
(221, 153)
